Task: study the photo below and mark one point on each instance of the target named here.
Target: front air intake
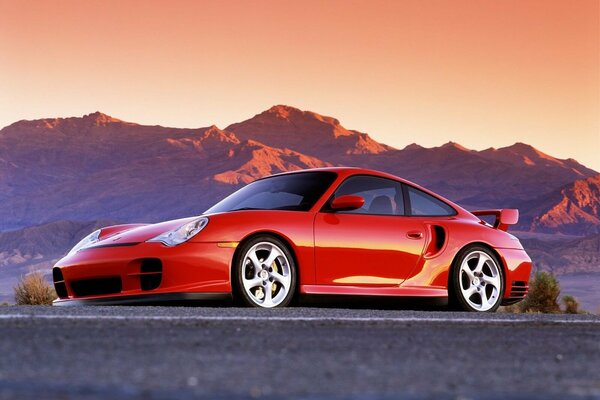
(96, 287)
(150, 273)
(59, 283)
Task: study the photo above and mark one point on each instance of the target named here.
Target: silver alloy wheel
(480, 281)
(266, 274)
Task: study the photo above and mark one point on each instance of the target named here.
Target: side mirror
(347, 203)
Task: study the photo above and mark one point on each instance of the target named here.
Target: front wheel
(478, 280)
(265, 273)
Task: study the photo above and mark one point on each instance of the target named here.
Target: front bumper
(114, 274)
(146, 299)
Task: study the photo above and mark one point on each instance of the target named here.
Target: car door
(376, 245)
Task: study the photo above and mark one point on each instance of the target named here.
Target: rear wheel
(477, 279)
(265, 273)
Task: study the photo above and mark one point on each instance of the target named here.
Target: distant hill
(573, 209)
(306, 132)
(565, 256)
(29, 245)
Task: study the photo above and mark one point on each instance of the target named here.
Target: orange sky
(482, 73)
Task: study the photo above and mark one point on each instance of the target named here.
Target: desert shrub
(33, 289)
(571, 305)
(543, 294)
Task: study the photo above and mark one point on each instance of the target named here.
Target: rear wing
(504, 217)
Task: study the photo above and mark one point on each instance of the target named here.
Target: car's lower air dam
(150, 273)
(96, 287)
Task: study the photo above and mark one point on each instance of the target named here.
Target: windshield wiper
(246, 208)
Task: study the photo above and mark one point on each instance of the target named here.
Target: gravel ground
(301, 353)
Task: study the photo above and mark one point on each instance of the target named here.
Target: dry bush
(543, 294)
(33, 289)
(571, 305)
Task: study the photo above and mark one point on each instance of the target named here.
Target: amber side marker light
(228, 244)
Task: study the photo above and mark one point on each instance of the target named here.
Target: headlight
(181, 234)
(85, 242)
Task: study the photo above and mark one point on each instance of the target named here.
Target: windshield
(297, 192)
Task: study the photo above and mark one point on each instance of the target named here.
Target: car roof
(347, 171)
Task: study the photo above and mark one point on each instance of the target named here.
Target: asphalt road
(300, 353)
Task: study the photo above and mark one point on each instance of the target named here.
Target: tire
(477, 280)
(263, 285)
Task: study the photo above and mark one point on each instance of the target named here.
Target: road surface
(300, 353)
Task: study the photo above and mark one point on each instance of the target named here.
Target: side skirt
(407, 291)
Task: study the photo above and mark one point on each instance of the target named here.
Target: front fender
(295, 227)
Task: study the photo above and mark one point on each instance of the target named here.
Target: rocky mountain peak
(99, 119)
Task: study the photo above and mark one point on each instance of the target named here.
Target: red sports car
(335, 231)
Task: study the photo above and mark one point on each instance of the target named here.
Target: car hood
(131, 234)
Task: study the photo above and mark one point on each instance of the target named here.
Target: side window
(423, 204)
(382, 196)
(272, 201)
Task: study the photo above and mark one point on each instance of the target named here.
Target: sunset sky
(481, 73)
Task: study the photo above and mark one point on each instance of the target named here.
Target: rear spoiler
(504, 217)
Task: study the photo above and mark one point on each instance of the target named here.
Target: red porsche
(334, 231)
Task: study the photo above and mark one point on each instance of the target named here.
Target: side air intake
(437, 240)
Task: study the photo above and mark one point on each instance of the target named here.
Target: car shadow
(332, 301)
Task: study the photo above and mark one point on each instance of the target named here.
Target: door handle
(414, 235)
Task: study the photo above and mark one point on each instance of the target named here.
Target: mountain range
(99, 167)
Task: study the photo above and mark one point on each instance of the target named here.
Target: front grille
(519, 289)
(59, 283)
(150, 273)
(96, 287)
